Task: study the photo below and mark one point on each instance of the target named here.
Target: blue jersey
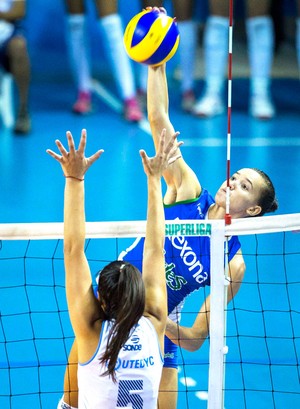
(187, 259)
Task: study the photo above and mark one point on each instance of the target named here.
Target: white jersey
(138, 372)
(5, 5)
(6, 28)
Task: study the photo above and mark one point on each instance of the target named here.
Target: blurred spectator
(260, 34)
(110, 24)
(298, 35)
(143, 69)
(14, 57)
(183, 11)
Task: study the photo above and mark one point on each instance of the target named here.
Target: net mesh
(263, 320)
(263, 332)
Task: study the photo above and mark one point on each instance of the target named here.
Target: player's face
(245, 189)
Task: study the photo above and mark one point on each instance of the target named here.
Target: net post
(217, 348)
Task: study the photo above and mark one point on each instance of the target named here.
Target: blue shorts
(4, 60)
(171, 354)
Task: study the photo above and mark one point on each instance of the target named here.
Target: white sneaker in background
(261, 107)
(188, 101)
(209, 106)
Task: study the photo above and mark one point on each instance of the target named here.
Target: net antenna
(227, 215)
(216, 398)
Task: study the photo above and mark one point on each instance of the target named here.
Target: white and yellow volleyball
(151, 37)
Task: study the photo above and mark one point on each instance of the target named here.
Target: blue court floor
(31, 188)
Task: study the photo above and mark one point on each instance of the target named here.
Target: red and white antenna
(227, 214)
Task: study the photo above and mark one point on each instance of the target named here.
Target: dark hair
(267, 200)
(122, 296)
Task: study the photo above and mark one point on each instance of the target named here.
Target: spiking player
(188, 259)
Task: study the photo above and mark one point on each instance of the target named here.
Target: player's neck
(216, 212)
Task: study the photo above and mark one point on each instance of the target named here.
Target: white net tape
(46, 231)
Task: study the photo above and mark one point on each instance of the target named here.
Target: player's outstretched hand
(166, 154)
(73, 162)
(158, 9)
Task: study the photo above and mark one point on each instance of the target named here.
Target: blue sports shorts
(18, 31)
(171, 354)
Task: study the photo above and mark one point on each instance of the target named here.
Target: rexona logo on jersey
(134, 344)
(188, 229)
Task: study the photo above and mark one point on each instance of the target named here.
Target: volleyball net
(250, 358)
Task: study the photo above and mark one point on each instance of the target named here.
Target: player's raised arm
(192, 338)
(153, 258)
(182, 183)
(80, 296)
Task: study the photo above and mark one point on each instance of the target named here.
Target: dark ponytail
(267, 200)
(122, 295)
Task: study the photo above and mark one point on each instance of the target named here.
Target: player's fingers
(70, 142)
(61, 148)
(143, 154)
(174, 159)
(54, 155)
(82, 143)
(172, 142)
(174, 154)
(95, 156)
(162, 142)
(145, 160)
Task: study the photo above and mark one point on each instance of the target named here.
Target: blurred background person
(111, 27)
(183, 11)
(298, 34)
(14, 57)
(142, 70)
(260, 36)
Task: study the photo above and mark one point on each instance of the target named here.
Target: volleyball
(151, 37)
